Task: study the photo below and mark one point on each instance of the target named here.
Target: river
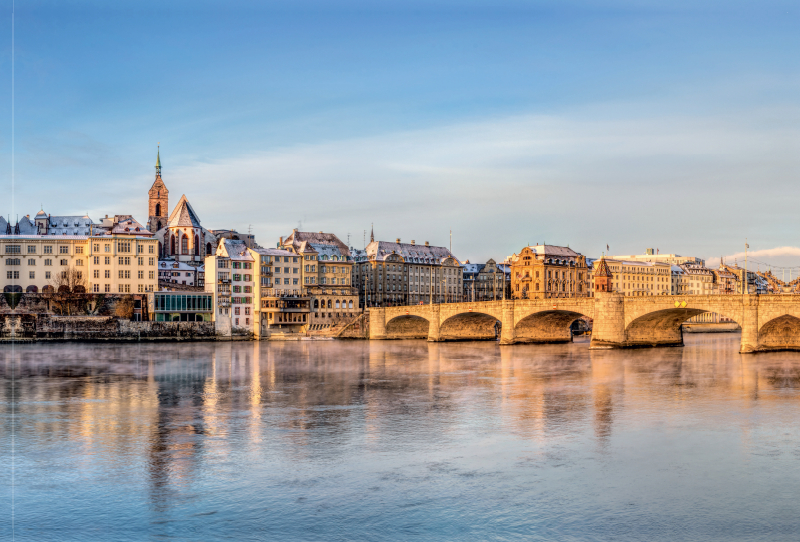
(399, 440)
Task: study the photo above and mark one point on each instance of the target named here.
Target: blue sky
(634, 124)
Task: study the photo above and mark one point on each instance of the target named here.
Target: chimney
(397, 240)
(412, 242)
(427, 244)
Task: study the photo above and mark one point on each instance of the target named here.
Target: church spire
(158, 162)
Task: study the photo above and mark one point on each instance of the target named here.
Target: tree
(124, 308)
(67, 292)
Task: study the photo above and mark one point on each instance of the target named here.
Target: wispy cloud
(505, 182)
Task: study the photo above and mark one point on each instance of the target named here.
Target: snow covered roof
(273, 252)
(423, 254)
(44, 237)
(553, 250)
(296, 238)
(175, 265)
(69, 225)
(129, 226)
(183, 215)
(235, 250)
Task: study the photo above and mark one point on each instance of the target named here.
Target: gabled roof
(183, 215)
(235, 250)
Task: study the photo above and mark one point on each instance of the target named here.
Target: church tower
(158, 208)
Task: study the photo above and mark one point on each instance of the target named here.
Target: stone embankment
(44, 327)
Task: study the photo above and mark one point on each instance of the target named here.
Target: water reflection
(395, 440)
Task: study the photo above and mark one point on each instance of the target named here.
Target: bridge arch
(546, 326)
(780, 333)
(407, 326)
(470, 326)
(662, 327)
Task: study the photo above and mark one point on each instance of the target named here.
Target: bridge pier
(608, 328)
(507, 334)
(377, 323)
(433, 328)
(749, 325)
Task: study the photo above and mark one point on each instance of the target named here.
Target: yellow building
(639, 278)
(119, 264)
(549, 271)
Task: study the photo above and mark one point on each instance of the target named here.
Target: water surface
(399, 440)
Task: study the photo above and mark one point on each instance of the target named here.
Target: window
(63, 249)
(48, 249)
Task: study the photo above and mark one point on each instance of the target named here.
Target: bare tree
(67, 290)
(124, 308)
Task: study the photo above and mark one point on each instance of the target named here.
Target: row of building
(178, 270)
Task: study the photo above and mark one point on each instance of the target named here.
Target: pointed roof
(602, 268)
(183, 215)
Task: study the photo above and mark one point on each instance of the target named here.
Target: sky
(627, 124)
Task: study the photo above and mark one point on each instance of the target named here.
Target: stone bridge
(768, 322)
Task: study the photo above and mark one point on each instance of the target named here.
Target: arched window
(196, 245)
(184, 244)
(158, 209)
(208, 249)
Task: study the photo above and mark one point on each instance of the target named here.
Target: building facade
(281, 303)
(390, 274)
(325, 276)
(232, 285)
(119, 264)
(549, 271)
(637, 278)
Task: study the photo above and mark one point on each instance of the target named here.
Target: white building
(652, 255)
(230, 278)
